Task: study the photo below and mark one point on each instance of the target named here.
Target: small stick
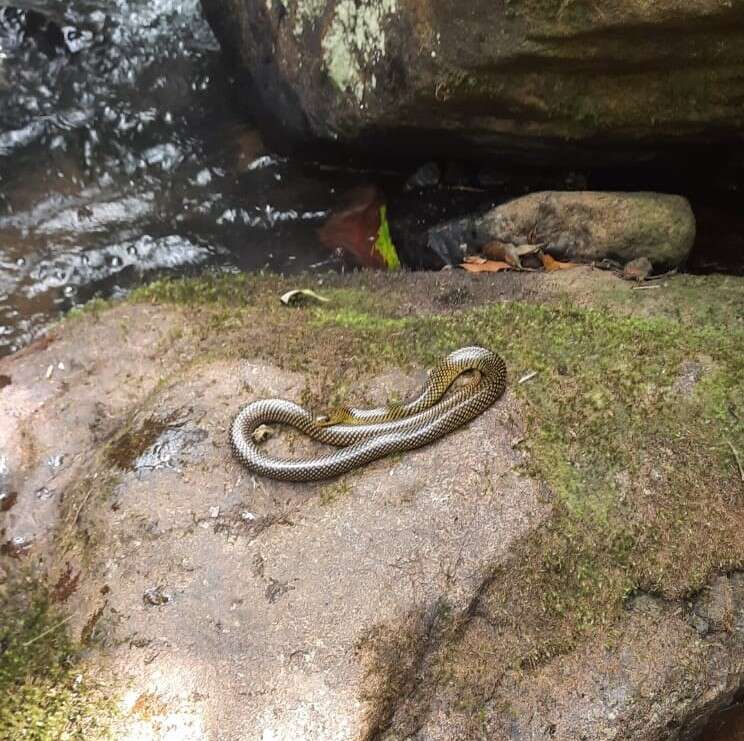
(738, 460)
(528, 377)
(81, 505)
(661, 276)
(48, 631)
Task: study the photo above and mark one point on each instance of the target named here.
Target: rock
(565, 82)
(591, 226)
(638, 269)
(427, 176)
(320, 610)
(450, 241)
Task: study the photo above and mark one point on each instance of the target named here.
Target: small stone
(214, 512)
(638, 269)
(44, 493)
(156, 597)
(427, 176)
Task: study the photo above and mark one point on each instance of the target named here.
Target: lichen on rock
(306, 12)
(355, 42)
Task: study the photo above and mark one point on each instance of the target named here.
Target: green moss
(45, 692)
(226, 289)
(95, 307)
(335, 491)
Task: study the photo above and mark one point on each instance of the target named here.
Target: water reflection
(120, 159)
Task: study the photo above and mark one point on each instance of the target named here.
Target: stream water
(121, 157)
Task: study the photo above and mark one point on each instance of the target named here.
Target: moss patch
(45, 692)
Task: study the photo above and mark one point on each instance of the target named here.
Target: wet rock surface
(237, 607)
(254, 594)
(547, 81)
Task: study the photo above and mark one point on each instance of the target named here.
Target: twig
(737, 457)
(74, 520)
(661, 276)
(528, 377)
(43, 633)
(645, 288)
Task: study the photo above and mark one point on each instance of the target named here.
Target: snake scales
(364, 435)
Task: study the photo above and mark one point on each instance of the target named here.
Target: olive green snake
(364, 435)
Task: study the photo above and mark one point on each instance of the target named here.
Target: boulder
(565, 81)
(479, 587)
(591, 226)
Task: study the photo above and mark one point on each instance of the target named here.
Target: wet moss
(213, 288)
(46, 692)
(95, 307)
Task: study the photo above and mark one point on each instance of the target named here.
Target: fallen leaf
(476, 264)
(298, 295)
(551, 264)
(354, 227)
(505, 252)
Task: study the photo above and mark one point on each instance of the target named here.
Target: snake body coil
(364, 435)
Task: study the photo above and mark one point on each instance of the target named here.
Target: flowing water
(122, 157)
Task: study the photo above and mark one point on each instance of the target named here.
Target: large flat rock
(461, 589)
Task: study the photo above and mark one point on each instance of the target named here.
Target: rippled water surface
(121, 156)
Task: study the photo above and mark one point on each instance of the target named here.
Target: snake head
(338, 416)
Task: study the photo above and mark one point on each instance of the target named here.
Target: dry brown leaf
(551, 264)
(505, 252)
(476, 264)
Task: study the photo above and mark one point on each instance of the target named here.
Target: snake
(365, 435)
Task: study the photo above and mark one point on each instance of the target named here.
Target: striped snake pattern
(364, 435)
